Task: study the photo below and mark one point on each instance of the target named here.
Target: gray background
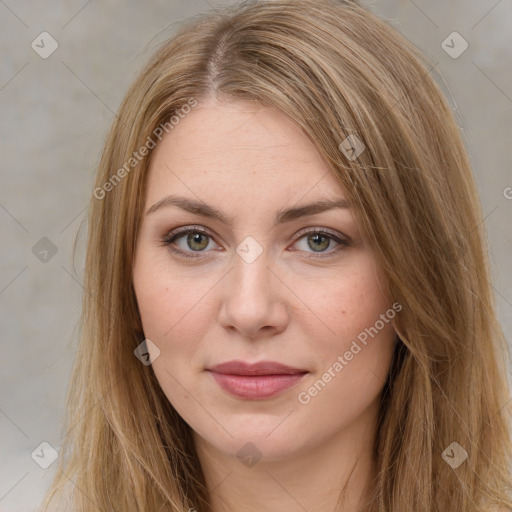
(55, 116)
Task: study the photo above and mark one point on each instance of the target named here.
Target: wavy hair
(338, 71)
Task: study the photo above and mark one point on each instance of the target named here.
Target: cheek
(168, 299)
(176, 311)
(353, 340)
(170, 308)
(345, 307)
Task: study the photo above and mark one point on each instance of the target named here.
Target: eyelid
(340, 237)
(186, 229)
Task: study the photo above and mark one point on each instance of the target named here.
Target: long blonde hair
(338, 71)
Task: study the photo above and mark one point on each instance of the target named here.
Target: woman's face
(252, 282)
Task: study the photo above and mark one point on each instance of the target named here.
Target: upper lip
(260, 368)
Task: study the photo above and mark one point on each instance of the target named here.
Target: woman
(289, 305)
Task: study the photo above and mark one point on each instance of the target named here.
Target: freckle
(343, 312)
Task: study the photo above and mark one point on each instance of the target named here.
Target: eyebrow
(282, 216)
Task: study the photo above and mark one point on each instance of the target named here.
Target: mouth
(255, 381)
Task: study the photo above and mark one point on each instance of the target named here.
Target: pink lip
(255, 381)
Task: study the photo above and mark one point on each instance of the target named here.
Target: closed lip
(260, 368)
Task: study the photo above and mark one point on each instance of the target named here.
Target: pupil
(317, 238)
(193, 241)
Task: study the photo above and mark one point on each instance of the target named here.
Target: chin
(266, 445)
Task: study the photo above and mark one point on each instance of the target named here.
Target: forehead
(239, 144)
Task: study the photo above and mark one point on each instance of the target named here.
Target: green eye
(197, 240)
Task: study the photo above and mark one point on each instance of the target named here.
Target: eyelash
(172, 236)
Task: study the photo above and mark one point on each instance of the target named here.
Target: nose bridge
(251, 273)
(252, 300)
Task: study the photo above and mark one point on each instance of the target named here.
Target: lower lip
(256, 386)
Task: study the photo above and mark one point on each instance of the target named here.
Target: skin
(298, 304)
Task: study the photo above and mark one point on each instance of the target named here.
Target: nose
(254, 298)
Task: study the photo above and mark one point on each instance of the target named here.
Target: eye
(193, 239)
(321, 239)
(188, 240)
